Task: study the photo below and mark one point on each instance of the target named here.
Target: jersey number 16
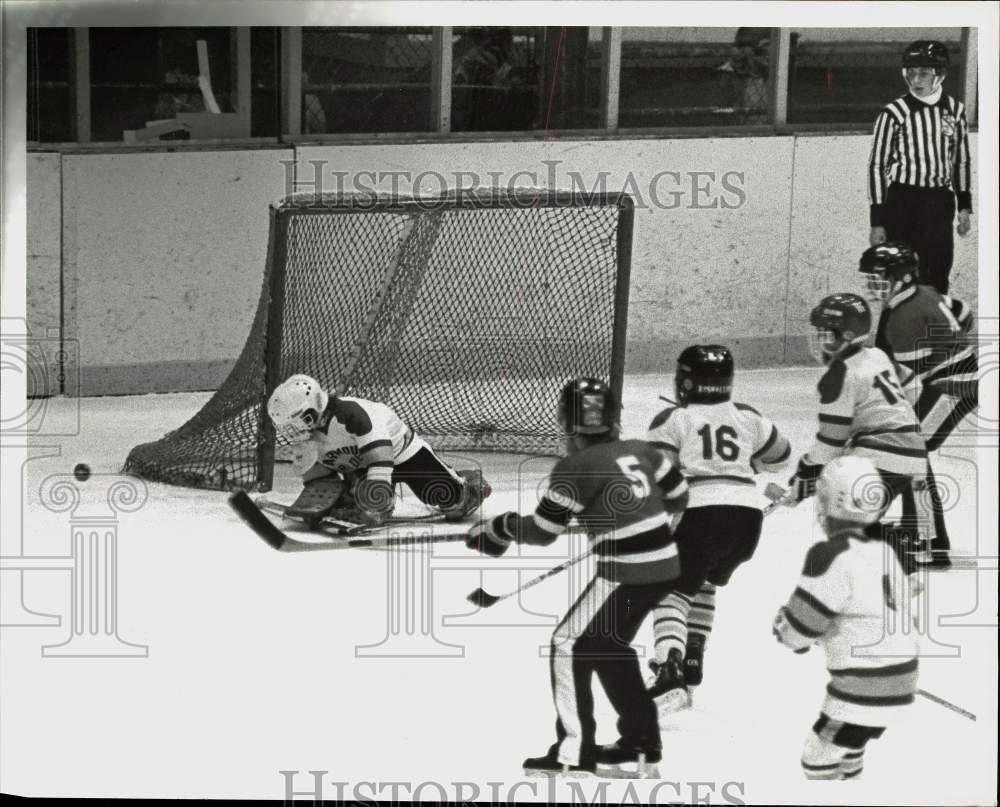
(724, 445)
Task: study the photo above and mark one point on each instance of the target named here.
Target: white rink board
(252, 667)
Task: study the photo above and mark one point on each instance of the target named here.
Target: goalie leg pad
(475, 490)
(318, 499)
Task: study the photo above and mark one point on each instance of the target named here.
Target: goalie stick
(341, 527)
(276, 538)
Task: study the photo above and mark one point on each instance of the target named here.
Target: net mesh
(466, 313)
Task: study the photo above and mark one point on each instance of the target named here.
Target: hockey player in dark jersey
(926, 334)
(719, 446)
(351, 452)
(619, 492)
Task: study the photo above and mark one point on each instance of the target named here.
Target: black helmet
(887, 263)
(926, 53)
(704, 374)
(587, 406)
(840, 320)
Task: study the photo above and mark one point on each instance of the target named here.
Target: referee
(920, 163)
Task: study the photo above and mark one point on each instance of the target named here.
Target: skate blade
(534, 773)
(629, 770)
(676, 700)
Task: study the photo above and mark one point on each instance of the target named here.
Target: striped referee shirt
(920, 145)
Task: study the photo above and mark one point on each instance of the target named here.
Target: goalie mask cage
(466, 313)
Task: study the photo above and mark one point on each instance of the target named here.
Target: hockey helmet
(840, 320)
(926, 53)
(295, 407)
(704, 374)
(887, 264)
(850, 488)
(587, 406)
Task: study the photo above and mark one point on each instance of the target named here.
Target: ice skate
(549, 765)
(668, 689)
(625, 760)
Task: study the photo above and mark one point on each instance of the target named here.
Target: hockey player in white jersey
(719, 445)
(862, 409)
(850, 585)
(351, 452)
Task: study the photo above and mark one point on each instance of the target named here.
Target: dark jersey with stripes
(926, 334)
(921, 145)
(615, 491)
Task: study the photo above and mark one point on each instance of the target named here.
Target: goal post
(466, 312)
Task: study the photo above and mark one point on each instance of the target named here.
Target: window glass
(366, 80)
(139, 75)
(846, 75)
(502, 79)
(50, 113)
(694, 77)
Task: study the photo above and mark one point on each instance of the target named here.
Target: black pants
(712, 541)
(596, 636)
(924, 218)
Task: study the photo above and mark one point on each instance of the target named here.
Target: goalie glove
(492, 536)
(803, 484)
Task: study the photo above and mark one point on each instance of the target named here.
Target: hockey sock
(702, 613)
(670, 626)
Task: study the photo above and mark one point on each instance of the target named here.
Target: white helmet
(295, 407)
(851, 489)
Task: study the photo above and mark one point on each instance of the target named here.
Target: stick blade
(251, 515)
(482, 599)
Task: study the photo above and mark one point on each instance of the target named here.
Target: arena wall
(156, 275)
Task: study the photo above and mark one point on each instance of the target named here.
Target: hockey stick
(277, 539)
(946, 704)
(339, 526)
(484, 599)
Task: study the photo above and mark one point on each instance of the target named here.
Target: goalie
(351, 453)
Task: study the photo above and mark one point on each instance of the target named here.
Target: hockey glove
(492, 536)
(782, 632)
(803, 484)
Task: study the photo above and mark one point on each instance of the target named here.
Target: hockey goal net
(465, 312)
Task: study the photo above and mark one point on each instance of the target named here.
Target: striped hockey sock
(670, 625)
(702, 613)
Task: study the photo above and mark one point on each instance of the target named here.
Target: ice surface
(253, 664)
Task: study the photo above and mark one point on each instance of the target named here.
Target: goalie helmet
(850, 488)
(587, 406)
(889, 268)
(840, 320)
(295, 407)
(704, 374)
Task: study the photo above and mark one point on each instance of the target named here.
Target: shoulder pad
(832, 383)
(662, 418)
(821, 556)
(353, 417)
(747, 408)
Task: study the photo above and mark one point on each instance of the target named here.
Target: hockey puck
(81, 472)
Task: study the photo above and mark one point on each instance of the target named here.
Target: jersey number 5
(636, 476)
(724, 446)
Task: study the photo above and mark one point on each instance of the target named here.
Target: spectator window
(140, 75)
(366, 80)
(846, 75)
(675, 77)
(502, 79)
(49, 107)
(265, 82)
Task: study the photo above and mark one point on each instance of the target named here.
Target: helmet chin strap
(934, 95)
